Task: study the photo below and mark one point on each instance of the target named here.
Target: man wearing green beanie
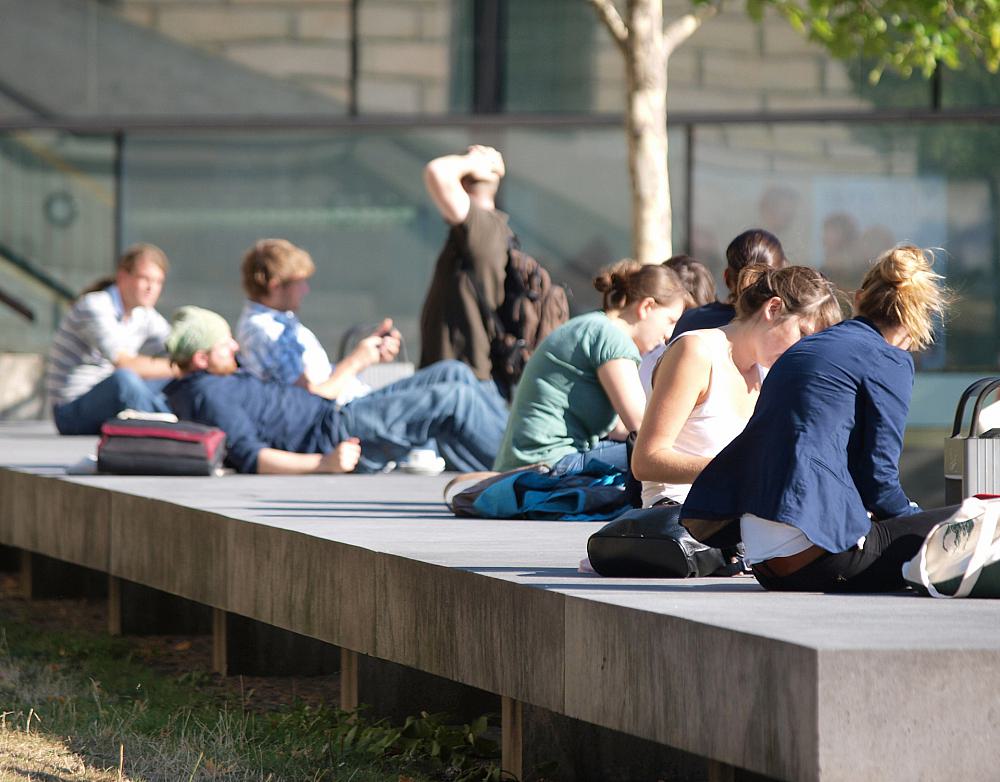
(276, 428)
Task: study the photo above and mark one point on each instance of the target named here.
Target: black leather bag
(651, 543)
(150, 447)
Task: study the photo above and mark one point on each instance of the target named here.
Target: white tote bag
(961, 556)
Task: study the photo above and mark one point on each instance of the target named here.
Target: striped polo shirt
(89, 337)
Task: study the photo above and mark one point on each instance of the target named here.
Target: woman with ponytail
(811, 485)
(581, 385)
(707, 383)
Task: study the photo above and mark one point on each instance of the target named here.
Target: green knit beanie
(194, 329)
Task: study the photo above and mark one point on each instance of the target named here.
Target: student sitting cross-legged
(272, 427)
(708, 381)
(811, 485)
(581, 389)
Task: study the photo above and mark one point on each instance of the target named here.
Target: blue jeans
(122, 389)
(607, 451)
(443, 403)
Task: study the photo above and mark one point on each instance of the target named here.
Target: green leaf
(479, 725)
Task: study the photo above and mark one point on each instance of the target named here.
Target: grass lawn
(78, 704)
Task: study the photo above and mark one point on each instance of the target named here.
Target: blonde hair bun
(902, 289)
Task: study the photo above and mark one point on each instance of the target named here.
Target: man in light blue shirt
(274, 343)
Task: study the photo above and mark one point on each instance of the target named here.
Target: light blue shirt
(275, 345)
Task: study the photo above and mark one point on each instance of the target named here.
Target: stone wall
(404, 61)
(407, 52)
(734, 64)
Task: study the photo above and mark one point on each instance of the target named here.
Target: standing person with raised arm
(107, 354)
(811, 485)
(471, 264)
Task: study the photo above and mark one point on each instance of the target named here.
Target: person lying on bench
(276, 428)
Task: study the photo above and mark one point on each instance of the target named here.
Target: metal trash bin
(972, 459)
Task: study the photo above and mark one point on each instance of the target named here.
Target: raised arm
(681, 382)
(443, 179)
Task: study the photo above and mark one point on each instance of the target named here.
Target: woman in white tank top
(707, 383)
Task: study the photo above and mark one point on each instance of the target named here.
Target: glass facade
(352, 194)
(838, 194)
(356, 201)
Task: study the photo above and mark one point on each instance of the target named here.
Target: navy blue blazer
(822, 447)
(707, 316)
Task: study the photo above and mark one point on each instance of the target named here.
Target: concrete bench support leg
(114, 605)
(219, 642)
(721, 772)
(25, 574)
(348, 680)
(511, 736)
(44, 577)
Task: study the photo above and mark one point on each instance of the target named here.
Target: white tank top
(711, 426)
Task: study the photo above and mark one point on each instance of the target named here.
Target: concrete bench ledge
(797, 687)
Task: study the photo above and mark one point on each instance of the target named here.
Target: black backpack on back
(532, 308)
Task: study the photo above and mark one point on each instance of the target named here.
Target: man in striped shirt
(107, 354)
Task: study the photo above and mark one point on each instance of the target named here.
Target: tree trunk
(646, 127)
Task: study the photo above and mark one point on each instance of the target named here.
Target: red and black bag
(146, 447)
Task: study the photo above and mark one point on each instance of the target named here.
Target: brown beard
(224, 369)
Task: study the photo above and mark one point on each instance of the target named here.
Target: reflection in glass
(56, 227)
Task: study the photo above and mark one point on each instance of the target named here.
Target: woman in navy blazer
(811, 486)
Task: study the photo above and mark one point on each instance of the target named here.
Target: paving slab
(796, 686)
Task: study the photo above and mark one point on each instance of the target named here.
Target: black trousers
(875, 568)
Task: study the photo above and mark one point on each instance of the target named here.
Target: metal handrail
(36, 273)
(17, 306)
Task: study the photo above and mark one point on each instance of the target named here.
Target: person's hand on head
(343, 458)
(489, 162)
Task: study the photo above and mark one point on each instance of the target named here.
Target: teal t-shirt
(559, 406)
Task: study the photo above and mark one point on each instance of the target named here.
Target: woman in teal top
(582, 385)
